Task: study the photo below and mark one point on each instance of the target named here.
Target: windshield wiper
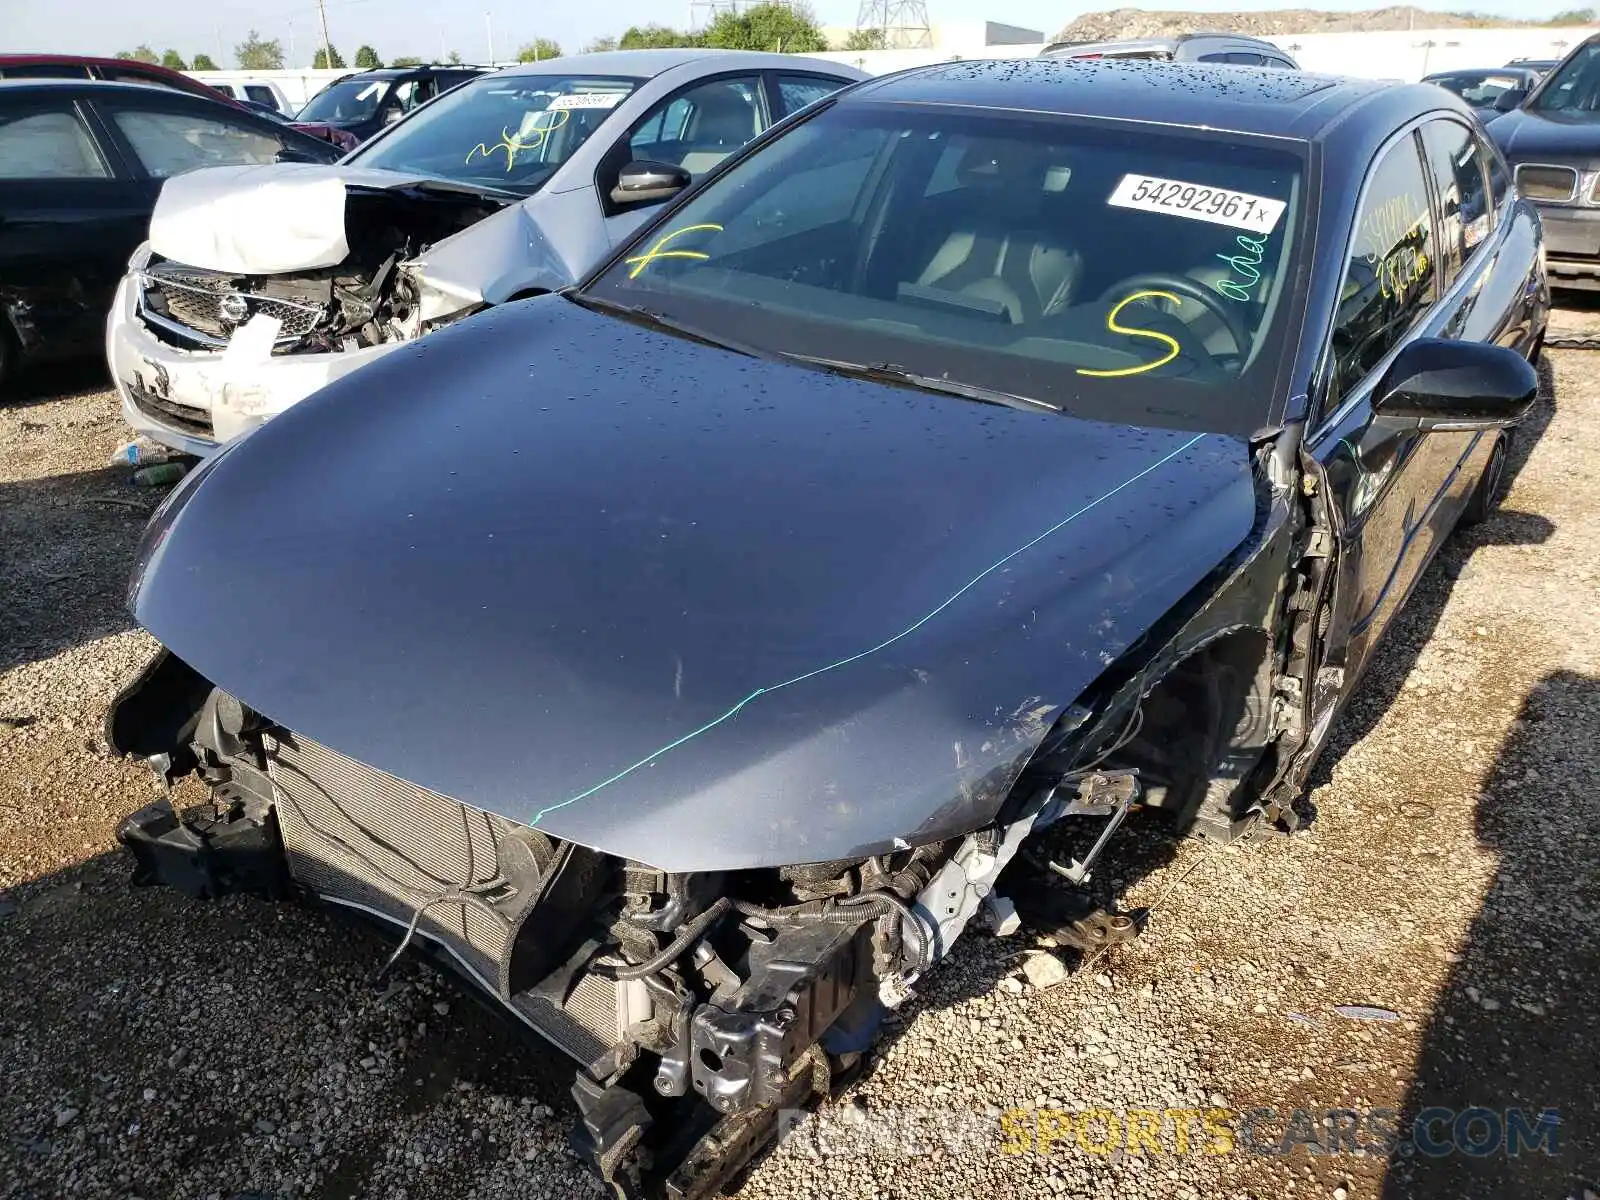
(893, 374)
(645, 316)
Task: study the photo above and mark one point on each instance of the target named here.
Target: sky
(432, 29)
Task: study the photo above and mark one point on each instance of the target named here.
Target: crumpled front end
(256, 290)
(696, 1007)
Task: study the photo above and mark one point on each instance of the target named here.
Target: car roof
(1171, 42)
(139, 87)
(1251, 100)
(649, 63)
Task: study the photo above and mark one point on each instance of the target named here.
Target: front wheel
(1486, 496)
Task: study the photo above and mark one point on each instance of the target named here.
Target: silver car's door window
(699, 127)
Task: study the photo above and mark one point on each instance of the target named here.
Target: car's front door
(1396, 492)
(69, 219)
(695, 128)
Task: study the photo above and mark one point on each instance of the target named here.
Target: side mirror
(1436, 384)
(645, 182)
(1509, 99)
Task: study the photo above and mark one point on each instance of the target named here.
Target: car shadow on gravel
(1515, 1033)
(56, 381)
(66, 548)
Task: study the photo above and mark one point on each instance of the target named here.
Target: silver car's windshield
(504, 131)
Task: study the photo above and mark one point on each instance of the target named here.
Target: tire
(9, 355)
(1486, 496)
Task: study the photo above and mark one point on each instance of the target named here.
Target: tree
(204, 62)
(455, 58)
(780, 27)
(867, 39)
(139, 54)
(256, 53)
(655, 37)
(171, 58)
(538, 50)
(601, 45)
(327, 57)
(1573, 16)
(367, 58)
(405, 61)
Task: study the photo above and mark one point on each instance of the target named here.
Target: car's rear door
(70, 215)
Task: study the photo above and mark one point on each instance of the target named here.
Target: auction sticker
(1220, 206)
(588, 100)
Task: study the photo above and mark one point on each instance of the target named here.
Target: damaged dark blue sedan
(684, 658)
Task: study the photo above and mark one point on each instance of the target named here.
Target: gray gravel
(155, 1048)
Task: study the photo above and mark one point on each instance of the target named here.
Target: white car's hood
(261, 220)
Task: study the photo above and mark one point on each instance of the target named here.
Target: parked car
(1540, 66)
(1552, 139)
(1186, 47)
(341, 139)
(514, 184)
(1481, 88)
(685, 656)
(117, 70)
(80, 165)
(248, 89)
(363, 103)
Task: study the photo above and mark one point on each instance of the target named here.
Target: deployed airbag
(260, 220)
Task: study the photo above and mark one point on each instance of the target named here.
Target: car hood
(688, 607)
(278, 218)
(1525, 135)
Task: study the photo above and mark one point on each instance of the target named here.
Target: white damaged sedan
(261, 284)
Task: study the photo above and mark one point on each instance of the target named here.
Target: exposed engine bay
(696, 1007)
(368, 297)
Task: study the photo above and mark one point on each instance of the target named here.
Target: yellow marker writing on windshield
(659, 250)
(514, 146)
(1173, 348)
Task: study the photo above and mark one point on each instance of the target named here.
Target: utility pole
(327, 45)
(488, 25)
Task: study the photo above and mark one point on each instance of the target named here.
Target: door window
(261, 95)
(47, 145)
(800, 90)
(1456, 160)
(170, 142)
(700, 127)
(1390, 276)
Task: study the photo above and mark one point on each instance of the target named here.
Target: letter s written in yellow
(1171, 343)
(1215, 1123)
(1017, 1124)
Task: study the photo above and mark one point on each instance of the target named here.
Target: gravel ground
(152, 1047)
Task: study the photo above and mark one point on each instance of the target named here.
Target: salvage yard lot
(152, 1047)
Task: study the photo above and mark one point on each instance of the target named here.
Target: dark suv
(363, 103)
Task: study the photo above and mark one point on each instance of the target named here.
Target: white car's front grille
(207, 306)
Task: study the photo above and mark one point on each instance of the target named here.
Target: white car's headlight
(140, 259)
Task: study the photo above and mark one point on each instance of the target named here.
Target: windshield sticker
(1246, 267)
(1171, 343)
(1220, 206)
(526, 140)
(587, 100)
(659, 250)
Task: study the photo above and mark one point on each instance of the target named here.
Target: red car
(128, 70)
